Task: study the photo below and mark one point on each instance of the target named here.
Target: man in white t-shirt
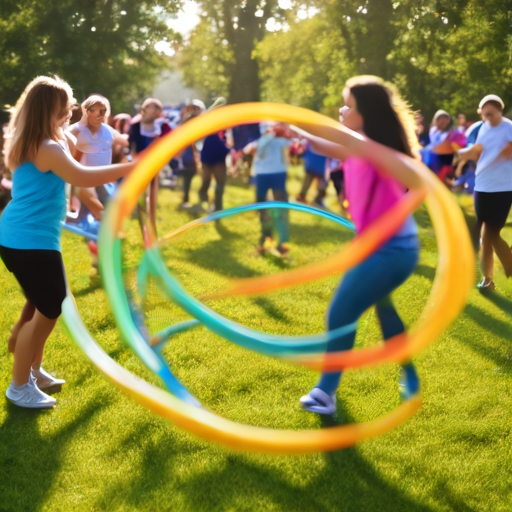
(493, 185)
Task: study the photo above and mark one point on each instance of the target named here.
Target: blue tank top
(32, 220)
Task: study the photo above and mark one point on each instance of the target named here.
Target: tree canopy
(104, 46)
(441, 54)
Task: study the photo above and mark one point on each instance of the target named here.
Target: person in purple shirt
(213, 160)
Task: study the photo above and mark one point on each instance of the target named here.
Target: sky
(185, 21)
(187, 18)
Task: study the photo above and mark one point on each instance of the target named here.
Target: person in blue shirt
(213, 160)
(270, 167)
(315, 166)
(30, 227)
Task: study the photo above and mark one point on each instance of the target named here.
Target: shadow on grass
(269, 307)
(30, 461)
(495, 325)
(310, 235)
(94, 284)
(232, 481)
(498, 300)
(425, 271)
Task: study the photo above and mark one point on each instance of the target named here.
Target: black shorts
(41, 275)
(493, 207)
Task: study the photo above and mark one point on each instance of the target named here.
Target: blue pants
(277, 183)
(368, 284)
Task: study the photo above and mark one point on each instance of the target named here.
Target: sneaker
(266, 247)
(319, 401)
(283, 249)
(29, 396)
(486, 285)
(44, 380)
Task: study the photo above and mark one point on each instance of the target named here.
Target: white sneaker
(44, 380)
(319, 401)
(29, 396)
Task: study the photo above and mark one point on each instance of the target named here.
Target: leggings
(219, 173)
(188, 174)
(370, 283)
(277, 183)
(321, 185)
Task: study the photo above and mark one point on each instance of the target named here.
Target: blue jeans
(368, 284)
(277, 183)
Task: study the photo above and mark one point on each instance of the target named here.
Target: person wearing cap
(493, 186)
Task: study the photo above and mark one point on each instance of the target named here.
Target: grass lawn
(99, 451)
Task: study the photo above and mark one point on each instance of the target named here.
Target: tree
(104, 46)
(231, 29)
(441, 54)
(310, 63)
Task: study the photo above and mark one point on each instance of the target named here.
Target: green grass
(99, 451)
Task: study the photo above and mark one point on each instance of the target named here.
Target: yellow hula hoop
(454, 277)
(451, 285)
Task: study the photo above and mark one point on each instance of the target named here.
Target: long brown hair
(387, 117)
(33, 119)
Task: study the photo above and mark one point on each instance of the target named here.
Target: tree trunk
(245, 80)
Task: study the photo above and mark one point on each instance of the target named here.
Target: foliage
(206, 62)
(218, 56)
(442, 54)
(102, 46)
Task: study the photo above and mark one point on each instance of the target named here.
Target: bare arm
(506, 152)
(71, 142)
(473, 153)
(322, 146)
(89, 198)
(388, 161)
(121, 140)
(51, 157)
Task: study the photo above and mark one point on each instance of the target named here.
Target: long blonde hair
(33, 119)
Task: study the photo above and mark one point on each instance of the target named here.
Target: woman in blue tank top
(30, 226)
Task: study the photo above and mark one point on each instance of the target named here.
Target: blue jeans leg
(371, 282)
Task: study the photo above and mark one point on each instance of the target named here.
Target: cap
(199, 104)
(491, 97)
(151, 101)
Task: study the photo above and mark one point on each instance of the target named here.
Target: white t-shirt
(494, 174)
(96, 147)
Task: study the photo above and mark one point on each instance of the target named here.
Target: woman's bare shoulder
(47, 151)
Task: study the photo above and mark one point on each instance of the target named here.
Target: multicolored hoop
(453, 280)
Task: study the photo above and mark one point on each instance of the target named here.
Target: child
(30, 227)
(373, 109)
(270, 167)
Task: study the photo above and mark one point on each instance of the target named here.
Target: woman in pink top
(373, 109)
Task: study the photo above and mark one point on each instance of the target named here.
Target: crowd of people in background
(260, 154)
(65, 156)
